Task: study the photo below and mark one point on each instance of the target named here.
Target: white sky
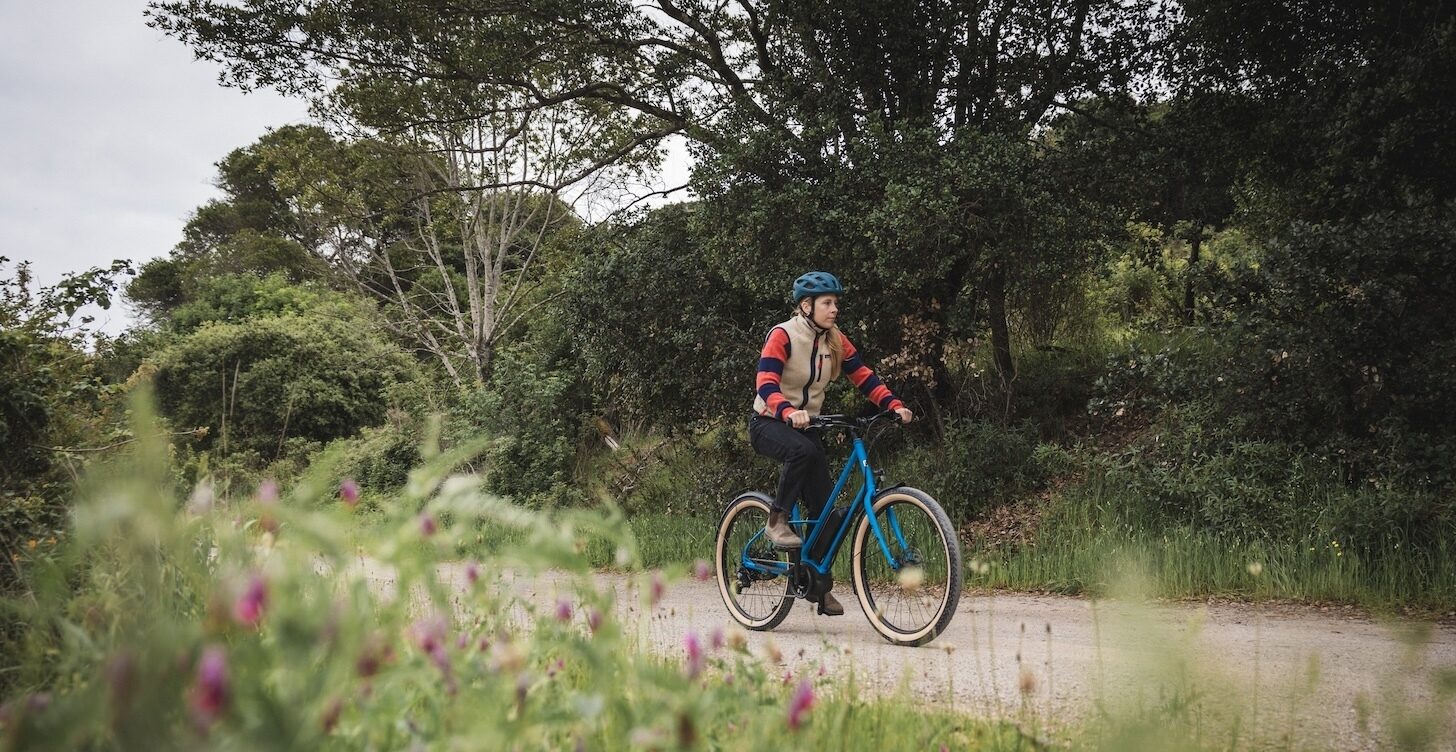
(109, 135)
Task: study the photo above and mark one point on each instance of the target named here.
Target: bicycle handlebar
(847, 421)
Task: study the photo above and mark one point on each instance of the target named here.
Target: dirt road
(1282, 671)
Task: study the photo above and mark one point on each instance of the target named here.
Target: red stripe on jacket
(775, 348)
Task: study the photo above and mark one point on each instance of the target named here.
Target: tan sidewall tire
(782, 610)
(862, 537)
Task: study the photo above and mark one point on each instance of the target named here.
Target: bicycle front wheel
(910, 596)
(749, 569)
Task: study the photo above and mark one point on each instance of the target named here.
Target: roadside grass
(1080, 551)
(1083, 542)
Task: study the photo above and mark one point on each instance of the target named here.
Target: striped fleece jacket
(793, 370)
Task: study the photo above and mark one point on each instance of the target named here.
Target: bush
(258, 382)
(694, 475)
(976, 466)
(537, 412)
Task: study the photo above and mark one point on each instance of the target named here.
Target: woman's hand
(905, 415)
(799, 419)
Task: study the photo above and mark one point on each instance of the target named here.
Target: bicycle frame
(863, 504)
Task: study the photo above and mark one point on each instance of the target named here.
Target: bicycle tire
(743, 517)
(865, 546)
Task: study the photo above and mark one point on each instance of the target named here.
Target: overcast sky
(109, 135)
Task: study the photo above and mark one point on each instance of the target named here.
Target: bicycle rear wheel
(908, 598)
(746, 566)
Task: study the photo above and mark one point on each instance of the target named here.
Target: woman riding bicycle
(800, 357)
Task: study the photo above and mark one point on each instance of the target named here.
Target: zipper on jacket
(813, 358)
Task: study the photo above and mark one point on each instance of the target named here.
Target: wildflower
(1256, 568)
(594, 619)
(1027, 683)
(911, 578)
(800, 704)
(201, 500)
(695, 654)
(428, 526)
(428, 633)
(121, 674)
(31, 544)
(702, 571)
(659, 588)
(737, 639)
(332, 711)
(472, 572)
(716, 638)
(771, 649)
(210, 693)
(563, 610)
(505, 656)
(268, 492)
(370, 658)
(349, 493)
(248, 608)
(523, 685)
(556, 668)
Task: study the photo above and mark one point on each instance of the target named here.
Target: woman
(800, 357)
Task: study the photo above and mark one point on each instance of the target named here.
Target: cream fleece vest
(806, 369)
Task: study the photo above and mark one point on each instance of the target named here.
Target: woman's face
(825, 310)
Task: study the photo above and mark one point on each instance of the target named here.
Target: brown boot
(779, 533)
(830, 606)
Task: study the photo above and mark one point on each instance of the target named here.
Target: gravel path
(1293, 672)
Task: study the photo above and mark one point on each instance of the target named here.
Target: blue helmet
(815, 284)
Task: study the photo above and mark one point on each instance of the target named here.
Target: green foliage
(255, 383)
(691, 475)
(1351, 345)
(535, 411)
(55, 408)
(976, 466)
(166, 627)
(660, 328)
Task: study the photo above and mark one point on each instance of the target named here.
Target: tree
(808, 97)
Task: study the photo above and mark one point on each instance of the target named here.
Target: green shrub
(977, 465)
(256, 383)
(537, 413)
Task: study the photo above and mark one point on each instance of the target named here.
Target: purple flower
(800, 704)
(428, 633)
(331, 715)
(594, 619)
(209, 695)
(659, 588)
(248, 608)
(268, 492)
(349, 492)
(702, 571)
(563, 610)
(716, 638)
(472, 572)
(428, 526)
(695, 654)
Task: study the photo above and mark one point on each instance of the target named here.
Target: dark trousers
(805, 476)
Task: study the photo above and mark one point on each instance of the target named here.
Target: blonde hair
(835, 341)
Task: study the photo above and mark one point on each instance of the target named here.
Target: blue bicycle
(905, 556)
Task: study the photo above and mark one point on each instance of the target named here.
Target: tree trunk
(1000, 331)
(1195, 243)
